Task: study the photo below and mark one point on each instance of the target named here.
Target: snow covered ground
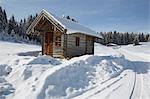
(111, 73)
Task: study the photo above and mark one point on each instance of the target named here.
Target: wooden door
(49, 43)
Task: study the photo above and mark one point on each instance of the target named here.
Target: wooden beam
(42, 23)
(55, 23)
(39, 30)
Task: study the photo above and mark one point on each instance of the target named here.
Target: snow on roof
(72, 27)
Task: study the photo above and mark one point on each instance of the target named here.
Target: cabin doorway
(48, 43)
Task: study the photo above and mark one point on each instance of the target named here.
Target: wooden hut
(62, 37)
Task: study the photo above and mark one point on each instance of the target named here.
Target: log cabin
(62, 38)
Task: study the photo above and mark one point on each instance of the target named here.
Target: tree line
(14, 29)
(123, 38)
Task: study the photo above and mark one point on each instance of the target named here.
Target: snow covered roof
(70, 26)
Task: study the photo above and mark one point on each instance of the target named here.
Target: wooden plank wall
(43, 39)
(57, 51)
(89, 45)
(72, 49)
(64, 43)
(49, 27)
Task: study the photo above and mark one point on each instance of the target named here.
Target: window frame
(77, 41)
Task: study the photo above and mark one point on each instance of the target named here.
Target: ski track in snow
(115, 85)
(137, 88)
(137, 91)
(131, 83)
(132, 86)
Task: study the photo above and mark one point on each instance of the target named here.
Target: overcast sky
(100, 15)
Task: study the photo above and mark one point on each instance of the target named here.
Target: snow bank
(45, 60)
(5, 69)
(79, 76)
(5, 87)
(27, 73)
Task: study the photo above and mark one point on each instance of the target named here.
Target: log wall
(72, 49)
(58, 50)
(89, 45)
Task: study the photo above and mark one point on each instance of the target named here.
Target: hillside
(119, 72)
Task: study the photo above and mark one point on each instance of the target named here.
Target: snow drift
(81, 75)
(5, 87)
(5, 69)
(45, 60)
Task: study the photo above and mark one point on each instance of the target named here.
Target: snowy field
(111, 73)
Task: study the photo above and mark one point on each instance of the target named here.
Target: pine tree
(147, 37)
(24, 26)
(131, 38)
(29, 21)
(1, 19)
(12, 25)
(148, 40)
(1, 13)
(68, 17)
(20, 28)
(115, 39)
(5, 20)
(142, 38)
(5, 16)
(136, 40)
(118, 38)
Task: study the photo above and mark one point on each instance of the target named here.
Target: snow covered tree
(21, 28)
(148, 40)
(131, 38)
(3, 20)
(14, 30)
(136, 40)
(122, 38)
(147, 37)
(12, 25)
(142, 38)
(115, 39)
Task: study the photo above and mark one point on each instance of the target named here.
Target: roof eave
(48, 16)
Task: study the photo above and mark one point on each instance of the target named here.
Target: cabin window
(58, 40)
(77, 41)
